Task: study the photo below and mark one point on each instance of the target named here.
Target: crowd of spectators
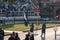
(8, 7)
(16, 8)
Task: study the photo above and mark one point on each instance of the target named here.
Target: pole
(55, 30)
(37, 23)
(55, 35)
(37, 19)
(37, 11)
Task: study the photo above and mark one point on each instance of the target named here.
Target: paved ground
(50, 34)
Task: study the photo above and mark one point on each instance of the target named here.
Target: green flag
(25, 20)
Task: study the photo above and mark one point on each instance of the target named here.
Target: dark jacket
(32, 37)
(11, 38)
(1, 37)
(32, 28)
(43, 28)
(27, 37)
(17, 37)
(2, 34)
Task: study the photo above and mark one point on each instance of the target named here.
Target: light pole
(37, 11)
(37, 20)
(55, 30)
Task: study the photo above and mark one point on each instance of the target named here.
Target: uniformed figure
(43, 29)
(31, 27)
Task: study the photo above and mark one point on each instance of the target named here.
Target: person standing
(43, 29)
(27, 36)
(31, 32)
(12, 36)
(32, 37)
(17, 37)
(1, 34)
(32, 27)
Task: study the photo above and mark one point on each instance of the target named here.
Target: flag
(25, 16)
(25, 20)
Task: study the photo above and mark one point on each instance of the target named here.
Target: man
(43, 29)
(32, 37)
(12, 36)
(2, 34)
(31, 30)
(32, 27)
(27, 36)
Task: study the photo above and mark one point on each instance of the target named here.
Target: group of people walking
(29, 36)
(13, 36)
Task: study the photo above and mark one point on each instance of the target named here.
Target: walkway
(50, 34)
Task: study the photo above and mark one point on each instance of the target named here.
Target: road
(50, 34)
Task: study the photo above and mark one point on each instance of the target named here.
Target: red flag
(58, 17)
(37, 9)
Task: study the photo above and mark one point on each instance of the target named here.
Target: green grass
(22, 27)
